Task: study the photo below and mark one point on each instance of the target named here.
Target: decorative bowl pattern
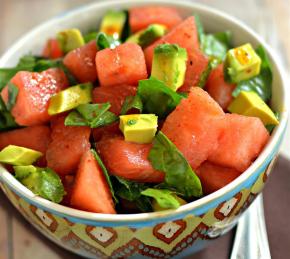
(149, 235)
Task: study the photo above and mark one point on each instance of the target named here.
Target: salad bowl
(165, 234)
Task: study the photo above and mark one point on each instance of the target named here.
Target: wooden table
(18, 240)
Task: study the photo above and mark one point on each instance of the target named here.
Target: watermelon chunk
(112, 129)
(194, 126)
(34, 137)
(115, 95)
(141, 17)
(81, 62)
(128, 160)
(67, 146)
(218, 88)
(52, 49)
(213, 177)
(242, 140)
(123, 65)
(34, 92)
(91, 191)
(184, 34)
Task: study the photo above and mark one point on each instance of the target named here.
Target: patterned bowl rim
(265, 157)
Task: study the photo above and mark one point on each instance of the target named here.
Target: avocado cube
(145, 37)
(169, 65)
(113, 23)
(139, 128)
(242, 63)
(70, 98)
(251, 104)
(70, 39)
(15, 155)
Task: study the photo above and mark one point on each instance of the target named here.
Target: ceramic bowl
(149, 235)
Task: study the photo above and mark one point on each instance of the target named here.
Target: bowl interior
(88, 17)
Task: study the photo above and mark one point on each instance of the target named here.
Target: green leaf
(131, 191)
(164, 156)
(92, 115)
(105, 172)
(41, 181)
(132, 103)
(105, 41)
(262, 83)
(199, 26)
(12, 95)
(213, 63)
(157, 98)
(6, 119)
(126, 30)
(164, 198)
(90, 36)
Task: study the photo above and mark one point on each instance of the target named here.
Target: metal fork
(251, 241)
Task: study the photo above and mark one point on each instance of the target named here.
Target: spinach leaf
(165, 157)
(126, 29)
(90, 36)
(132, 103)
(213, 63)
(105, 41)
(92, 115)
(157, 98)
(131, 191)
(12, 95)
(164, 198)
(105, 172)
(262, 83)
(6, 119)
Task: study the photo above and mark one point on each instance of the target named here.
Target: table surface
(271, 18)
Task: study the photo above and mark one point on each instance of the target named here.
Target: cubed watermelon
(141, 17)
(52, 49)
(194, 126)
(115, 95)
(68, 144)
(34, 92)
(218, 88)
(123, 65)
(128, 160)
(81, 62)
(91, 191)
(241, 141)
(112, 129)
(213, 177)
(184, 34)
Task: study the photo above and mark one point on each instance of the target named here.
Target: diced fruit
(218, 88)
(70, 98)
(169, 65)
(141, 17)
(113, 23)
(91, 191)
(184, 35)
(139, 128)
(15, 155)
(41, 181)
(67, 146)
(193, 126)
(128, 160)
(251, 104)
(39, 138)
(115, 95)
(70, 39)
(81, 62)
(147, 36)
(242, 63)
(34, 93)
(112, 129)
(123, 65)
(52, 49)
(241, 141)
(213, 177)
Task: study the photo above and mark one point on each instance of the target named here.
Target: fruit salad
(144, 112)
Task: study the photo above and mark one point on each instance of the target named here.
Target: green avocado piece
(139, 128)
(70, 39)
(251, 104)
(15, 155)
(113, 23)
(70, 98)
(242, 63)
(169, 65)
(145, 37)
(41, 181)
